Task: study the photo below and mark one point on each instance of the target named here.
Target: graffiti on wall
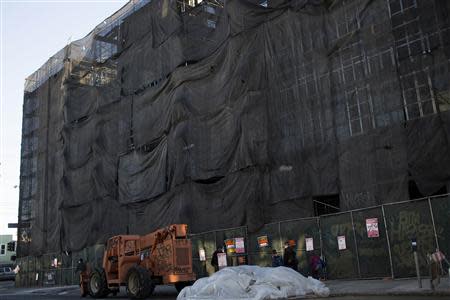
(410, 223)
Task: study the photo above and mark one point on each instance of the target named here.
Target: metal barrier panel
(98, 250)
(31, 269)
(39, 267)
(18, 276)
(29, 279)
(75, 257)
(299, 230)
(340, 263)
(207, 242)
(231, 233)
(406, 221)
(65, 276)
(441, 213)
(262, 256)
(24, 264)
(372, 246)
(364, 256)
(47, 275)
(26, 271)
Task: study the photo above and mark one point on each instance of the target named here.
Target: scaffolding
(97, 47)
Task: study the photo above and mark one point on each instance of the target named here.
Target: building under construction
(223, 114)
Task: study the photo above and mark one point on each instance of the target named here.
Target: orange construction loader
(141, 262)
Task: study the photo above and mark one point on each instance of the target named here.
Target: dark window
(326, 204)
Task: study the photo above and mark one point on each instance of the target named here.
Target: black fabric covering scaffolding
(240, 115)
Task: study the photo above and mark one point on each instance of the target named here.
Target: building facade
(228, 114)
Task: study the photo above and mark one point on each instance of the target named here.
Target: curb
(398, 293)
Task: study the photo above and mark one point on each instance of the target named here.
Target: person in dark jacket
(289, 257)
(215, 260)
(81, 266)
(315, 264)
(277, 261)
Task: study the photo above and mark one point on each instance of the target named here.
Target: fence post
(71, 269)
(388, 242)
(247, 246)
(356, 244)
(434, 225)
(320, 237)
(279, 235)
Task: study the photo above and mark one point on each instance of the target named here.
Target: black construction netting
(234, 114)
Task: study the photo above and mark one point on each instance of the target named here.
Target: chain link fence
(385, 252)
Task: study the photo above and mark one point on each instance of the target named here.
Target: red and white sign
(240, 246)
(372, 228)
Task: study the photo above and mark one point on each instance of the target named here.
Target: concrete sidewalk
(387, 287)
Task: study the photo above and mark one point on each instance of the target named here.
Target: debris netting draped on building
(385, 254)
(235, 115)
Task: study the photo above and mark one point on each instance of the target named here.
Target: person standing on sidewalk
(277, 261)
(317, 267)
(290, 257)
(215, 259)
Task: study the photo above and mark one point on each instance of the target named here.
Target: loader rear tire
(97, 285)
(139, 283)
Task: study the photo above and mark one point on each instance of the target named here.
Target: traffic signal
(11, 246)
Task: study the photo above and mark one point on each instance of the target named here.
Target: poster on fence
(341, 242)
(263, 241)
(309, 244)
(231, 247)
(49, 278)
(372, 228)
(222, 260)
(240, 246)
(202, 254)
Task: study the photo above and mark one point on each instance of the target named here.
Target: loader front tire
(97, 286)
(139, 283)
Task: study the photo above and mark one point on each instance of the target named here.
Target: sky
(30, 32)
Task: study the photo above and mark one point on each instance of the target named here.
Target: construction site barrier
(385, 252)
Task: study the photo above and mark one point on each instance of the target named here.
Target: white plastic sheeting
(253, 282)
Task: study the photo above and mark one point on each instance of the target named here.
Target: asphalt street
(8, 292)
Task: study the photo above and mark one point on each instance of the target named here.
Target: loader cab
(121, 252)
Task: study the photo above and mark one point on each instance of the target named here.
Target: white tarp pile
(253, 282)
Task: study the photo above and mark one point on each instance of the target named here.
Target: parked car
(6, 273)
